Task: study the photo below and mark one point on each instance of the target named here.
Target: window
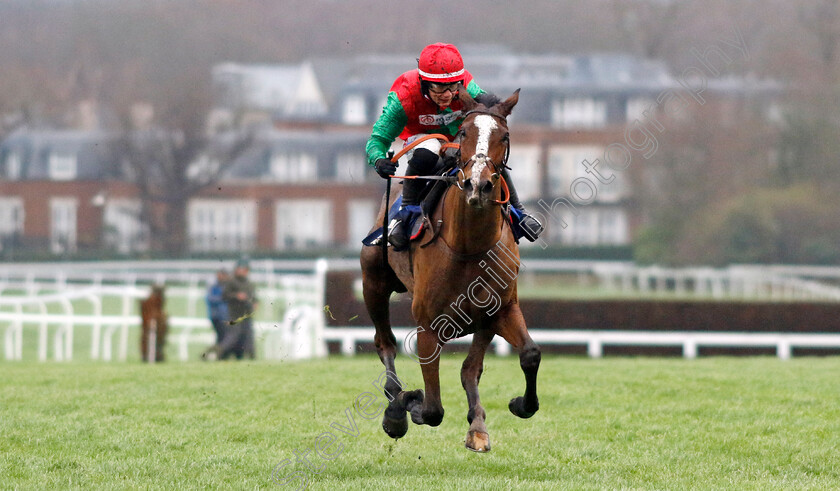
(610, 191)
(584, 227)
(610, 188)
(203, 166)
(565, 164)
(354, 110)
(612, 227)
(123, 230)
(360, 216)
(578, 112)
(11, 220)
(62, 166)
(525, 170)
(13, 166)
(63, 225)
(636, 106)
(303, 223)
(558, 162)
(294, 167)
(350, 167)
(222, 225)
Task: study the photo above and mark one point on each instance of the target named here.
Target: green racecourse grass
(642, 423)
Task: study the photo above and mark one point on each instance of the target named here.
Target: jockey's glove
(385, 168)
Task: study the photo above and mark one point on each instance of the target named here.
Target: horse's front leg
(512, 327)
(426, 409)
(478, 439)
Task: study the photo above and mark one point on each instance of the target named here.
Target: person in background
(240, 296)
(217, 309)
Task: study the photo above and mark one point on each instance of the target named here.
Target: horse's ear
(506, 106)
(465, 98)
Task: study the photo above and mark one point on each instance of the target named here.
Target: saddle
(430, 196)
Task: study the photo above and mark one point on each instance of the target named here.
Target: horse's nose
(473, 194)
(478, 192)
(473, 199)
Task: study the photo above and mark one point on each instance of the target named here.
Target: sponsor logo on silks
(442, 119)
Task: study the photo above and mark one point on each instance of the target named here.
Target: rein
(461, 166)
(410, 146)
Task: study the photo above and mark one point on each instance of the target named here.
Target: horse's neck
(468, 230)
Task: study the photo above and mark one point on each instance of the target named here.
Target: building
(304, 184)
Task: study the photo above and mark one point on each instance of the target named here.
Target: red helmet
(441, 63)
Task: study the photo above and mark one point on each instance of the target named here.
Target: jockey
(423, 101)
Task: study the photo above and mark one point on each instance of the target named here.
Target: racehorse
(154, 319)
(462, 280)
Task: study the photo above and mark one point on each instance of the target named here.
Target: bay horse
(153, 318)
(462, 280)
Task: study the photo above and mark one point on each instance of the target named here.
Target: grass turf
(647, 423)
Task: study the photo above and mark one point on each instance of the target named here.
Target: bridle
(496, 166)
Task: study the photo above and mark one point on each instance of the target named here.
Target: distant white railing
(690, 342)
(729, 283)
(51, 300)
(46, 299)
(770, 282)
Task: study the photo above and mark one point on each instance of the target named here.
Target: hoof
(410, 398)
(394, 421)
(478, 441)
(517, 407)
(395, 428)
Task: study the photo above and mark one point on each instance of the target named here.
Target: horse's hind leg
(478, 439)
(512, 328)
(377, 286)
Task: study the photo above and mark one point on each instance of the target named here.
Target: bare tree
(171, 158)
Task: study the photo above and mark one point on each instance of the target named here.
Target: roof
(93, 151)
(254, 163)
(290, 89)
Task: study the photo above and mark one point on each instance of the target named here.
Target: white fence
(49, 303)
(746, 282)
(52, 304)
(690, 342)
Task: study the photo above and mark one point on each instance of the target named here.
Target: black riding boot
(531, 227)
(422, 162)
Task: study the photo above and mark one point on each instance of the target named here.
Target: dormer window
(354, 110)
(62, 166)
(293, 167)
(578, 112)
(13, 166)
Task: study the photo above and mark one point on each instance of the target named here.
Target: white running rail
(53, 305)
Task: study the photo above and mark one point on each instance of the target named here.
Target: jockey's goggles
(440, 89)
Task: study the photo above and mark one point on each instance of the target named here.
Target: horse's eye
(506, 137)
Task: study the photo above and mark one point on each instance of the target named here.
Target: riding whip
(385, 219)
